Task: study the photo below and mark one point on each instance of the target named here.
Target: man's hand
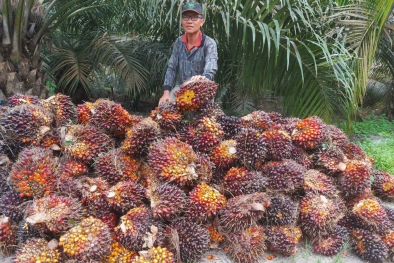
(165, 97)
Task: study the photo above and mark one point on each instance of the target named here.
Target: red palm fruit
(388, 240)
(286, 176)
(27, 123)
(68, 186)
(282, 211)
(248, 245)
(153, 255)
(71, 168)
(58, 213)
(173, 160)
(239, 181)
(20, 99)
(195, 93)
(216, 238)
(190, 239)
(310, 133)
(389, 212)
(243, 211)
(207, 134)
(62, 108)
(279, 144)
(319, 183)
(125, 195)
(119, 254)
(300, 156)
(94, 192)
(231, 125)
(116, 165)
(167, 201)
(289, 124)
(11, 205)
(370, 215)
(368, 246)
(258, 120)
(276, 117)
(337, 136)
(7, 234)
(37, 250)
(167, 116)
(205, 202)
(85, 112)
(33, 174)
(90, 240)
(354, 152)
(86, 142)
(50, 140)
(224, 155)
(140, 136)
(319, 213)
(283, 239)
(251, 148)
(134, 227)
(332, 160)
(383, 185)
(331, 243)
(212, 110)
(355, 178)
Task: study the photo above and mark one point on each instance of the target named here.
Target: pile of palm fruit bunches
(93, 183)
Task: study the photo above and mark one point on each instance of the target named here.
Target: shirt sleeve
(172, 68)
(211, 60)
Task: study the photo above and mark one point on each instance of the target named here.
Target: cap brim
(192, 10)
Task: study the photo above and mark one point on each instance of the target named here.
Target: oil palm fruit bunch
(62, 108)
(330, 243)
(224, 155)
(125, 195)
(153, 255)
(58, 213)
(337, 136)
(355, 178)
(187, 238)
(207, 134)
(319, 214)
(216, 237)
(167, 116)
(195, 93)
(71, 168)
(94, 191)
(301, 156)
(389, 212)
(50, 139)
(383, 185)
(212, 110)
(204, 203)
(251, 147)
(86, 142)
(319, 183)
(89, 240)
(258, 120)
(85, 112)
(285, 176)
(310, 133)
(140, 136)
(11, 205)
(21, 99)
(239, 180)
(33, 172)
(243, 211)
(167, 201)
(282, 211)
(7, 234)
(283, 239)
(388, 240)
(331, 160)
(231, 126)
(37, 250)
(119, 254)
(368, 246)
(355, 152)
(27, 123)
(279, 144)
(115, 166)
(246, 245)
(288, 124)
(173, 160)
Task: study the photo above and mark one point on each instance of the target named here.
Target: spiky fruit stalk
(355, 178)
(188, 239)
(331, 243)
(21, 99)
(58, 213)
(251, 148)
(26, 231)
(71, 168)
(286, 176)
(119, 254)
(258, 120)
(33, 172)
(368, 246)
(282, 239)
(62, 108)
(207, 134)
(67, 186)
(224, 155)
(332, 160)
(383, 185)
(204, 203)
(195, 93)
(243, 211)
(7, 234)
(173, 160)
(319, 183)
(279, 144)
(140, 136)
(231, 125)
(319, 213)
(239, 181)
(153, 255)
(337, 136)
(167, 201)
(246, 246)
(310, 133)
(37, 250)
(282, 211)
(125, 195)
(90, 240)
(11, 205)
(167, 116)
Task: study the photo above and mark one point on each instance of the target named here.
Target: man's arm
(211, 60)
(172, 69)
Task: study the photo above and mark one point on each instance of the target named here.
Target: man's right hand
(165, 97)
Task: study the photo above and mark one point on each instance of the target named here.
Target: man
(194, 53)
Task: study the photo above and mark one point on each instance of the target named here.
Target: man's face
(190, 26)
